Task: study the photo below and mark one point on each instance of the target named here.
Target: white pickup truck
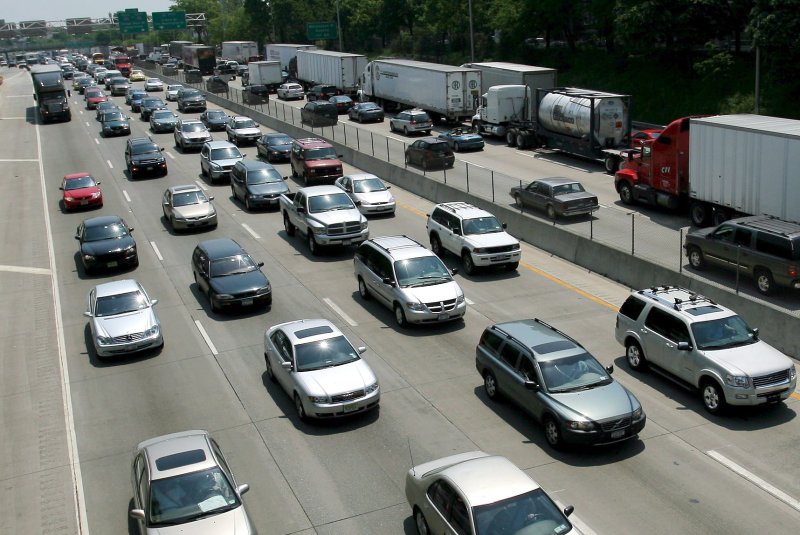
(326, 215)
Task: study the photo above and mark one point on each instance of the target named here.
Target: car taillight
(413, 122)
(792, 271)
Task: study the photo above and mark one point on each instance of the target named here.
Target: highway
(70, 421)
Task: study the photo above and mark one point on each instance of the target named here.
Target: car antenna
(410, 455)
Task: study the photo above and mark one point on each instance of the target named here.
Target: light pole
(339, 26)
(471, 36)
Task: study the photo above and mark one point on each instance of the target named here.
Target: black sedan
(106, 242)
(343, 103)
(114, 123)
(557, 196)
(229, 276)
(214, 119)
(365, 111)
(149, 104)
(274, 147)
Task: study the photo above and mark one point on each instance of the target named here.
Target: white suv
(701, 344)
(475, 235)
(409, 279)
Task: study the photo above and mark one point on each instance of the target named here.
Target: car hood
(195, 210)
(336, 379)
(229, 162)
(81, 192)
(467, 137)
(435, 293)
(270, 187)
(116, 124)
(196, 135)
(107, 246)
(283, 149)
(234, 522)
(217, 121)
(492, 239)
(701, 233)
(375, 197)
(337, 216)
(247, 131)
(146, 157)
(129, 323)
(172, 121)
(197, 98)
(96, 100)
(597, 403)
(243, 282)
(754, 359)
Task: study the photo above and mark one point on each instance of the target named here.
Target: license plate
(347, 242)
(773, 398)
(618, 434)
(113, 264)
(149, 167)
(350, 407)
(84, 203)
(247, 302)
(443, 316)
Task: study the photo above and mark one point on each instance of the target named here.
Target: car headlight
(88, 257)
(417, 307)
(364, 225)
(216, 165)
(95, 195)
(69, 199)
(130, 248)
(317, 230)
(371, 388)
(637, 415)
(580, 425)
(152, 331)
(318, 399)
(479, 250)
(792, 373)
(224, 297)
(103, 340)
(460, 299)
(738, 381)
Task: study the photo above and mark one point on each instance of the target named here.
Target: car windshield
(193, 127)
(482, 225)
(190, 93)
(325, 153)
(332, 201)
(278, 141)
(152, 103)
(722, 333)
(246, 123)
(225, 154)
(442, 148)
(137, 95)
(173, 87)
(111, 305)
(232, 265)
(532, 512)
(570, 374)
(421, 271)
(188, 497)
(216, 114)
(367, 106)
(144, 148)
(294, 87)
(93, 93)
(153, 81)
(163, 114)
(324, 354)
(370, 184)
(105, 232)
(189, 197)
(119, 81)
(564, 189)
(78, 183)
(113, 116)
(263, 176)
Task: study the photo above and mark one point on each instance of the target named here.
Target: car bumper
(117, 132)
(194, 107)
(427, 316)
(492, 259)
(334, 410)
(125, 348)
(373, 209)
(83, 203)
(347, 239)
(264, 299)
(750, 397)
(264, 201)
(129, 258)
(219, 173)
(579, 211)
(574, 436)
(154, 168)
(246, 140)
(195, 143)
(186, 224)
(163, 127)
(276, 156)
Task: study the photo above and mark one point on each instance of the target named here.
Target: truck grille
(349, 227)
(501, 249)
(616, 423)
(347, 396)
(771, 379)
(441, 306)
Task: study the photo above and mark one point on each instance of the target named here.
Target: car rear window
(777, 246)
(632, 307)
(313, 331)
(439, 147)
(184, 458)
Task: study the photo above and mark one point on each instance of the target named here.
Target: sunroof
(700, 311)
(313, 331)
(184, 458)
(550, 347)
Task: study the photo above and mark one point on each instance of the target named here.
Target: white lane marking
(96, 141)
(201, 185)
(13, 118)
(4, 160)
(80, 111)
(17, 96)
(752, 478)
(66, 395)
(87, 123)
(110, 164)
(22, 269)
(251, 231)
(168, 153)
(125, 194)
(469, 301)
(339, 311)
(207, 338)
(158, 253)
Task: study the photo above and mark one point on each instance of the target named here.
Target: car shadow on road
(83, 275)
(414, 330)
(233, 314)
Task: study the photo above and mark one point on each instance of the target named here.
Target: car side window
(383, 266)
(283, 346)
(775, 245)
(491, 340)
(724, 233)
(527, 369)
(742, 237)
(510, 354)
(632, 307)
(459, 517)
(667, 326)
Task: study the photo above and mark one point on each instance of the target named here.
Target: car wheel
(466, 261)
(247, 203)
(298, 406)
(696, 259)
(625, 193)
(552, 433)
(172, 222)
(421, 523)
(764, 281)
(313, 247)
(490, 386)
(713, 396)
(551, 212)
(436, 246)
(405, 130)
(399, 316)
(456, 147)
(635, 356)
(270, 373)
(518, 200)
(288, 226)
(214, 306)
(362, 289)
(391, 126)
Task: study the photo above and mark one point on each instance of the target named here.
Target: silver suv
(409, 279)
(217, 158)
(473, 234)
(190, 134)
(242, 129)
(701, 344)
(411, 121)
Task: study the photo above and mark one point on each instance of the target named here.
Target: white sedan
(172, 91)
(291, 91)
(153, 84)
(368, 192)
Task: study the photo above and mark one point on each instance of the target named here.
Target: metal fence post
(388, 158)
(520, 204)
(358, 139)
(445, 174)
(344, 128)
(633, 234)
(738, 266)
(591, 227)
(680, 257)
(372, 142)
(492, 185)
(466, 167)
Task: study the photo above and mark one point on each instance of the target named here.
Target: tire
(521, 142)
(512, 266)
(611, 164)
(362, 289)
(635, 356)
(400, 316)
(288, 226)
(765, 283)
(270, 373)
(298, 406)
(405, 131)
(391, 126)
(551, 212)
(436, 246)
(172, 222)
(420, 523)
(466, 261)
(490, 386)
(625, 193)
(247, 204)
(552, 433)
(713, 396)
(313, 247)
(214, 307)
(696, 259)
(511, 138)
(456, 147)
(698, 213)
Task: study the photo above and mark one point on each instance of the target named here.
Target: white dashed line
(96, 141)
(125, 194)
(29, 270)
(168, 153)
(201, 185)
(87, 123)
(4, 160)
(205, 336)
(754, 479)
(339, 311)
(158, 253)
(469, 301)
(110, 165)
(251, 231)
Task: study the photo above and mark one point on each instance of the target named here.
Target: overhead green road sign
(131, 21)
(169, 20)
(318, 31)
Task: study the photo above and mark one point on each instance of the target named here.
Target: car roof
(312, 142)
(486, 480)
(545, 342)
(309, 330)
(362, 176)
(191, 121)
(432, 140)
(255, 165)
(691, 305)
(102, 220)
(174, 444)
(276, 135)
(556, 180)
(221, 248)
(219, 144)
(76, 175)
(184, 188)
(138, 140)
(401, 247)
(769, 224)
(116, 287)
(464, 210)
(237, 118)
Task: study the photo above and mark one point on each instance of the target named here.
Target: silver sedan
(187, 207)
(369, 193)
(320, 369)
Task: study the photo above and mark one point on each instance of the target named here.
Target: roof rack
(414, 243)
(457, 205)
(655, 293)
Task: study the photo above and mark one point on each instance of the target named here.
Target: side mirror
(211, 198)
(684, 346)
(138, 514)
(390, 187)
(357, 203)
(755, 333)
(301, 210)
(243, 488)
(98, 182)
(244, 155)
(153, 302)
(610, 369)
(261, 264)
(532, 385)
(457, 231)
(568, 510)
(87, 314)
(286, 178)
(77, 237)
(505, 226)
(130, 229)
(454, 271)
(362, 350)
(388, 280)
(161, 149)
(62, 187)
(286, 365)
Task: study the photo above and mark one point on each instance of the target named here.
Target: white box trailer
(502, 73)
(444, 91)
(339, 69)
(285, 53)
(239, 51)
(746, 163)
(266, 73)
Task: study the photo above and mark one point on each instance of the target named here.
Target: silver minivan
(408, 279)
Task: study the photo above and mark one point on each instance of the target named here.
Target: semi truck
(286, 53)
(501, 73)
(49, 93)
(267, 73)
(584, 122)
(718, 167)
(175, 48)
(446, 92)
(339, 69)
(200, 57)
(239, 51)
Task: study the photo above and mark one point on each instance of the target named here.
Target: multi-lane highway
(70, 421)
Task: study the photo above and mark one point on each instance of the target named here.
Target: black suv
(766, 248)
(322, 92)
(319, 113)
(190, 100)
(255, 94)
(144, 156)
